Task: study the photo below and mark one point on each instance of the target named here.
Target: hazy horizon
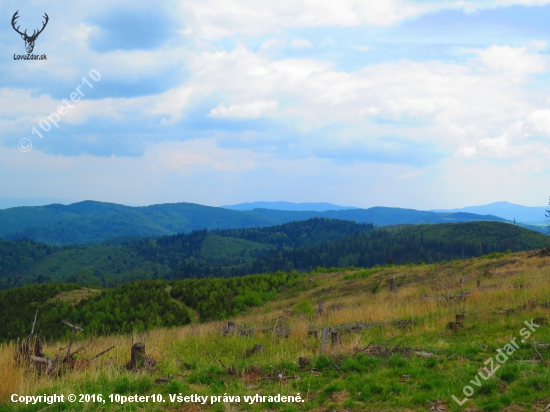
(33, 201)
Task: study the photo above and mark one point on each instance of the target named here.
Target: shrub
(304, 308)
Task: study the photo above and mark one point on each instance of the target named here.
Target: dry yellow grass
(74, 296)
(11, 377)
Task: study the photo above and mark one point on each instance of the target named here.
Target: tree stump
(320, 308)
(137, 356)
(324, 341)
(393, 288)
(453, 326)
(314, 333)
(304, 361)
(336, 338)
(256, 349)
(230, 328)
(541, 321)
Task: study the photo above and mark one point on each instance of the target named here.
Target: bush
(304, 308)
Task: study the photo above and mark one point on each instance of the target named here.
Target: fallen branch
(101, 353)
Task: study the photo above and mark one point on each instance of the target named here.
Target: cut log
(39, 360)
(164, 380)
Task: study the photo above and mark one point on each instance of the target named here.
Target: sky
(416, 104)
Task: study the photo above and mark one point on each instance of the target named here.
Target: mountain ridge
(90, 222)
(505, 210)
(289, 206)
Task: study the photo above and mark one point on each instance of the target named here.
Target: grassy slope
(341, 379)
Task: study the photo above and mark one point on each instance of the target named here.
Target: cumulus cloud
(496, 147)
(515, 61)
(213, 19)
(466, 152)
(254, 110)
(217, 60)
(421, 101)
(537, 122)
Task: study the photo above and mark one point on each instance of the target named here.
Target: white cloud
(254, 110)
(454, 105)
(538, 122)
(497, 147)
(213, 19)
(515, 61)
(300, 43)
(466, 152)
(470, 97)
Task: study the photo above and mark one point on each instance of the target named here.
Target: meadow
(395, 350)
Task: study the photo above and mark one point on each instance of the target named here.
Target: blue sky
(420, 104)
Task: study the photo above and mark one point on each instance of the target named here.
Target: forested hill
(25, 261)
(146, 304)
(416, 243)
(94, 222)
(299, 245)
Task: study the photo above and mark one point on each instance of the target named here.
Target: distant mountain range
(7, 202)
(309, 207)
(94, 222)
(506, 210)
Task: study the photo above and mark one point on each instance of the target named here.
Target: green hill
(23, 261)
(94, 222)
(416, 243)
(302, 245)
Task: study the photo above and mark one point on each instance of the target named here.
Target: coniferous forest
(300, 246)
(135, 284)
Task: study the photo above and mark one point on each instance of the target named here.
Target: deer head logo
(29, 40)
